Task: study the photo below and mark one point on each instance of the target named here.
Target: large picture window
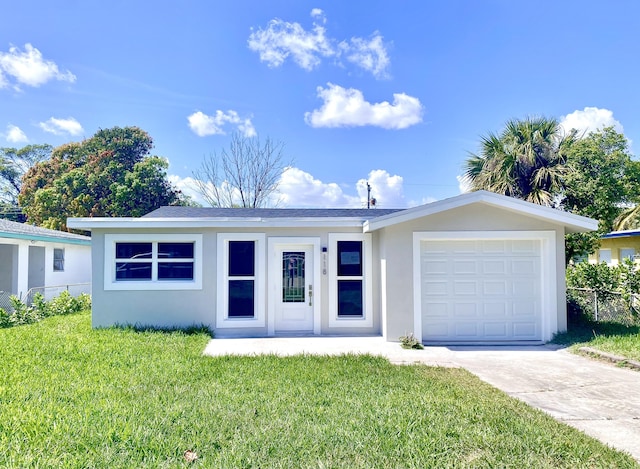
(241, 267)
(152, 262)
(349, 280)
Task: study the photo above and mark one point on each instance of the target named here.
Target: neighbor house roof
(621, 234)
(14, 230)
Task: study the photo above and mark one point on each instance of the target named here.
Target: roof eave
(176, 223)
(571, 222)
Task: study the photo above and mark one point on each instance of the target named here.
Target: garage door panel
(495, 287)
(495, 330)
(495, 310)
(465, 310)
(481, 290)
(465, 287)
(436, 310)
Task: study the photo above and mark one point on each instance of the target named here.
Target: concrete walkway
(598, 398)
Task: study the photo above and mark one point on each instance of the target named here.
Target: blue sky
(394, 93)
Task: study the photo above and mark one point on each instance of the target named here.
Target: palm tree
(527, 160)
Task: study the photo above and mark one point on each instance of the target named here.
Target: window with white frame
(241, 271)
(58, 259)
(350, 272)
(153, 262)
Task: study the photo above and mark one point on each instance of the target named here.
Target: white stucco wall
(77, 265)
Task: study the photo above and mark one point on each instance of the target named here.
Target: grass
(72, 397)
(605, 336)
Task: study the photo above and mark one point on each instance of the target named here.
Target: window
(604, 255)
(58, 260)
(241, 261)
(152, 262)
(349, 280)
(627, 253)
(349, 261)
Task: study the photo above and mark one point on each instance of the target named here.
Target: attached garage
(484, 286)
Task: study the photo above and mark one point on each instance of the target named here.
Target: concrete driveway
(598, 398)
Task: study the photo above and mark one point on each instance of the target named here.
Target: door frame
(274, 267)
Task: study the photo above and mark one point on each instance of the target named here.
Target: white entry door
(294, 289)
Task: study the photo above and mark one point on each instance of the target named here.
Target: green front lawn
(77, 398)
(605, 336)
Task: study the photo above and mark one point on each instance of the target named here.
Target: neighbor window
(58, 260)
(152, 261)
(627, 253)
(349, 280)
(604, 255)
(241, 264)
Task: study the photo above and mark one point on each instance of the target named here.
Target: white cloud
(347, 108)
(387, 190)
(370, 55)
(29, 67)
(202, 125)
(299, 189)
(15, 134)
(463, 184)
(590, 119)
(62, 126)
(281, 40)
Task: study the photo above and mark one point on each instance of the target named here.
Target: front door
(295, 296)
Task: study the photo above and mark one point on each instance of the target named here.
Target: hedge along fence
(22, 313)
(605, 293)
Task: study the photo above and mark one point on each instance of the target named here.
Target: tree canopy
(593, 175)
(527, 160)
(14, 163)
(109, 174)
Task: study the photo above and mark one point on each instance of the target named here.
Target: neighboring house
(33, 257)
(617, 246)
(479, 267)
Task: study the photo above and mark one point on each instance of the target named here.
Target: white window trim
(222, 303)
(548, 271)
(367, 276)
(110, 282)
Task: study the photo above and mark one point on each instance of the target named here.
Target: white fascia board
(151, 223)
(572, 222)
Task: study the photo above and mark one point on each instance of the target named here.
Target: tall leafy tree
(14, 163)
(109, 174)
(527, 160)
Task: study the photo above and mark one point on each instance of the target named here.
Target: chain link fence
(603, 306)
(75, 289)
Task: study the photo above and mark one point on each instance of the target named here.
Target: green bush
(39, 309)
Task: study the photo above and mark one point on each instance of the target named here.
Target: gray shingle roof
(209, 212)
(13, 229)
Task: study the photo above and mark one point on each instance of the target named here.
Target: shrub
(409, 341)
(39, 309)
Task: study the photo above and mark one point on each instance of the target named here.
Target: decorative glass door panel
(293, 277)
(294, 296)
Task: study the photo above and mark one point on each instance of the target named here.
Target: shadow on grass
(193, 329)
(581, 330)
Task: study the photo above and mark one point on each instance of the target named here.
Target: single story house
(476, 268)
(617, 246)
(38, 258)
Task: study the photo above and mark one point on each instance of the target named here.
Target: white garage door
(481, 290)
